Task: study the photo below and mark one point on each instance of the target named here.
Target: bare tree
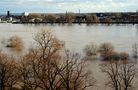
(8, 72)
(46, 68)
(73, 73)
(121, 74)
(91, 49)
(108, 20)
(92, 19)
(111, 69)
(15, 43)
(127, 74)
(27, 79)
(70, 17)
(57, 74)
(44, 58)
(48, 44)
(124, 56)
(106, 49)
(135, 51)
(50, 18)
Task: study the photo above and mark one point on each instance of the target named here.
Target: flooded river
(76, 37)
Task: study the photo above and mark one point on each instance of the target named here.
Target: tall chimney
(8, 13)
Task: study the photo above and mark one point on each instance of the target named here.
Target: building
(8, 13)
(25, 14)
(80, 18)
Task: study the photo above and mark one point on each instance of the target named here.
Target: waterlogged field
(76, 37)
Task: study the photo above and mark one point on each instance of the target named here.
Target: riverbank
(75, 23)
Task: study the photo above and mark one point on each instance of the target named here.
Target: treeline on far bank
(89, 18)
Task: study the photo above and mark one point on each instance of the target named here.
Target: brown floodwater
(76, 37)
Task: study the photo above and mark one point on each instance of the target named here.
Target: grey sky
(56, 6)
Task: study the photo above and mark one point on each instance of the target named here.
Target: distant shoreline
(74, 23)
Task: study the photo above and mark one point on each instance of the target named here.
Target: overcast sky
(56, 6)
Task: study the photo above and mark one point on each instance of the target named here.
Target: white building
(10, 19)
(25, 14)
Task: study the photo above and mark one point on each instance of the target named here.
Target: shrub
(106, 47)
(124, 56)
(106, 50)
(15, 43)
(91, 49)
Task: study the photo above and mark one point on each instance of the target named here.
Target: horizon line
(69, 12)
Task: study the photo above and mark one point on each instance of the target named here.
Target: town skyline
(61, 6)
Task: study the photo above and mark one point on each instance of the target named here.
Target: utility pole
(79, 11)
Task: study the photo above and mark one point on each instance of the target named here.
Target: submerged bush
(107, 53)
(91, 49)
(106, 50)
(124, 56)
(15, 43)
(106, 47)
(111, 56)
